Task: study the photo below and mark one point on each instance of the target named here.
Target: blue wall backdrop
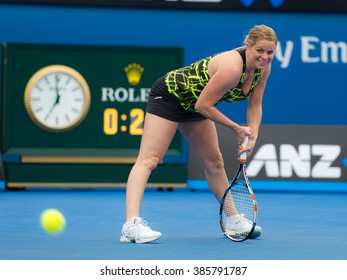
(307, 82)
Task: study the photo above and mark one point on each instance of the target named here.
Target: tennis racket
(238, 207)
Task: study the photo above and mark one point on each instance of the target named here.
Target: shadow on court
(295, 226)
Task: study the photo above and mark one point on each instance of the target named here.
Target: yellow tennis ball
(52, 221)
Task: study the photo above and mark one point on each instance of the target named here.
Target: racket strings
(243, 201)
(238, 212)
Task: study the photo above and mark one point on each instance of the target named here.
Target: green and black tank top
(186, 83)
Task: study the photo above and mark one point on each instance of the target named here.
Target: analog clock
(57, 98)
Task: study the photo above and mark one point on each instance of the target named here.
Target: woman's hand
(241, 134)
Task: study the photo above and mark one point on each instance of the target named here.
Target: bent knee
(151, 163)
(214, 164)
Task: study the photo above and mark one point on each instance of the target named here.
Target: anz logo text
(305, 161)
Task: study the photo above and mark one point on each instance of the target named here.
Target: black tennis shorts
(165, 105)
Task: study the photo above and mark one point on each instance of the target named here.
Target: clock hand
(57, 99)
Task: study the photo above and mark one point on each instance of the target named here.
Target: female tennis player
(185, 99)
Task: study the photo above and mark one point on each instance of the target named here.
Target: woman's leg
(203, 140)
(156, 138)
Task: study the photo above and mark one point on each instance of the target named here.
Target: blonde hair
(260, 32)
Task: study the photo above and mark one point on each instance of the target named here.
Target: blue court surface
(296, 226)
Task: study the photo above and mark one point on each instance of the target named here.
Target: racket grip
(243, 155)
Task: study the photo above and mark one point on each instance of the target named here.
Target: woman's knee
(151, 162)
(215, 163)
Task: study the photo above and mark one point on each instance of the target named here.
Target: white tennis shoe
(136, 230)
(238, 224)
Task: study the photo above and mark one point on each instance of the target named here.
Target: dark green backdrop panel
(103, 68)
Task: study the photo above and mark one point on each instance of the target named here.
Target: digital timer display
(114, 122)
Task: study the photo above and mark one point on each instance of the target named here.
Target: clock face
(57, 98)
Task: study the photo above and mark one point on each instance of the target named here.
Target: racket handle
(243, 156)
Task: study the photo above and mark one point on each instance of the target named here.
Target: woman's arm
(254, 111)
(225, 71)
